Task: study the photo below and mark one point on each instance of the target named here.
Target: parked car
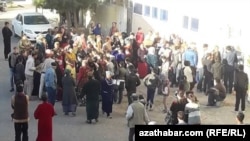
(3, 6)
(31, 25)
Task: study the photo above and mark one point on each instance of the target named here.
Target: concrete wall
(106, 14)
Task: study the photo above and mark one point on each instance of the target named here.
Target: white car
(31, 25)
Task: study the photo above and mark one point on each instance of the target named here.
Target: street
(66, 128)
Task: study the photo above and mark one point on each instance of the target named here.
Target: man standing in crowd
(241, 87)
(131, 82)
(231, 59)
(19, 103)
(44, 114)
(29, 72)
(46, 64)
(113, 29)
(7, 33)
(136, 115)
(51, 83)
(12, 62)
(191, 55)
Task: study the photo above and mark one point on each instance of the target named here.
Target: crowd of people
(69, 66)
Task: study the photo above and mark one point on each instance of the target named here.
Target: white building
(207, 21)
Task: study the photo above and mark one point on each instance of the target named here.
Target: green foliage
(69, 5)
(39, 3)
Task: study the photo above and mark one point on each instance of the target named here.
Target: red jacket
(139, 37)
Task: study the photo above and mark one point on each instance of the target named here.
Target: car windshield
(36, 19)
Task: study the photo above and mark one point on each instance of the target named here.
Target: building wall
(106, 14)
(214, 17)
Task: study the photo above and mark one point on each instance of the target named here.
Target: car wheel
(13, 29)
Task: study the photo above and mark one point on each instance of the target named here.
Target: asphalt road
(67, 128)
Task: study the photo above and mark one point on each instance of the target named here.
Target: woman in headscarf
(64, 37)
(178, 104)
(92, 90)
(70, 59)
(107, 94)
(97, 30)
(82, 76)
(69, 101)
(192, 109)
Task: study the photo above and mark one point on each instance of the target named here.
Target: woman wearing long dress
(107, 94)
(92, 90)
(69, 101)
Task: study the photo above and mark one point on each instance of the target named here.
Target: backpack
(151, 81)
(182, 75)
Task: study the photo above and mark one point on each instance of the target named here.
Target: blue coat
(191, 56)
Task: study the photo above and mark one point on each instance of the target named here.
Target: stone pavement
(74, 128)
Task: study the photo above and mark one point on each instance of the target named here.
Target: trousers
(21, 131)
(29, 84)
(41, 87)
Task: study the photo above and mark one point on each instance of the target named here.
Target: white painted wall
(214, 19)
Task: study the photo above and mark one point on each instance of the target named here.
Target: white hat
(48, 51)
(108, 73)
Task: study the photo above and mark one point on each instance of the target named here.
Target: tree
(39, 3)
(71, 8)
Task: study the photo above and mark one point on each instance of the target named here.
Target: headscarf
(67, 72)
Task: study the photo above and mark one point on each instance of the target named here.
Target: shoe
(66, 114)
(12, 90)
(210, 105)
(73, 114)
(110, 117)
(151, 108)
(89, 121)
(96, 120)
(164, 111)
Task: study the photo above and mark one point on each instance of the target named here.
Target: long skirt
(92, 109)
(69, 108)
(37, 77)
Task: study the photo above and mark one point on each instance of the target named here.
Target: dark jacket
(131, 82)
(7, 33)
(241, 81)
(12, 59)
(19, 73)
(92, 90)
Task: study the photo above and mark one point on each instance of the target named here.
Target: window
(194, 24)
(18, 17)
(155, 12)
(138, 8)
(163, 15)
(36, 19)
(185, 22)
(147, 11)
